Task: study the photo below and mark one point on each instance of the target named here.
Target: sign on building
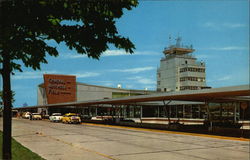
(60, 88)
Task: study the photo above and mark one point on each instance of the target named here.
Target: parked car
(71, 118)
(26, 115)
(55, 117)
(36, 116)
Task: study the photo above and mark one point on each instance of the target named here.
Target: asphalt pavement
(57, 141)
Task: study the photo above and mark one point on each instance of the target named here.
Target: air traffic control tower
(180, 70)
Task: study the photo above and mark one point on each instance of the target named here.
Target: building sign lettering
(60, 88)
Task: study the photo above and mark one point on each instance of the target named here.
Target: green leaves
(12, 96)
(54, 21)
(28, 23)
(65, 5)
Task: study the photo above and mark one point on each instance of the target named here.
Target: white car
(55, 117)
(26, 115)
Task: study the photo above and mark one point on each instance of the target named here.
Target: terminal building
(182, 95)
(82, 91)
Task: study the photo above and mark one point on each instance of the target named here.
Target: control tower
(180, 70)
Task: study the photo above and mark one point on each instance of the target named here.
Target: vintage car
(36, 116)
(26, 115)
(71, 118)
(55, 117)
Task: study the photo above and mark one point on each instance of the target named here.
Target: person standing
(30, 116)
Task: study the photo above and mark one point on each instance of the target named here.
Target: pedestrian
(30, 116)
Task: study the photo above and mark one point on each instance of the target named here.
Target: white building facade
(180, 70)
(87, 92)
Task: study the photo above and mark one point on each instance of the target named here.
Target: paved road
(55, 141)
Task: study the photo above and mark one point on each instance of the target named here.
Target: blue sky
(217, 29)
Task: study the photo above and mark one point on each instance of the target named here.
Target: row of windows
(190, 69)
(199, 79)
(189, 87)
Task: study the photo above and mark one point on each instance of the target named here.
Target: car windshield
(56, 114)
(72, 115)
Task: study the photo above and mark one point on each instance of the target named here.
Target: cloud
(228, 48)
(108, 84)
(108, 53)
(225, 48)
(130, 86)
(32, 75)
(219, 26)
(239, 77)
(123, 53)
(219, 79)
(224, 78)
(147, 53)
(73, 56)
(39, 74)
(222, 49)
(203, 56)
(233, 25)
(134, 70)
(114, 53)
(86, 74)
(142, 80)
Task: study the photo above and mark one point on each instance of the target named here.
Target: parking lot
(54, 141)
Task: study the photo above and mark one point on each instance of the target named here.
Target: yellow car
(71, 118)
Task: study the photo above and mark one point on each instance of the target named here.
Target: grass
(19, 152)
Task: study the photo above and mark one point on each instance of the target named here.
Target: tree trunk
(7, 113)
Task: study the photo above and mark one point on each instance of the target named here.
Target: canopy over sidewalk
(224, 94)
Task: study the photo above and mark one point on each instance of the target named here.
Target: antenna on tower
(169, 40)
(178, 41)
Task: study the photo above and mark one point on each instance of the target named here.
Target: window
(159, 82)
(159, 75)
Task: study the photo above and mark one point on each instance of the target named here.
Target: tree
(87, 26)
(12, 97)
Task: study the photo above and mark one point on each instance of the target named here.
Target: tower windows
(191, 69)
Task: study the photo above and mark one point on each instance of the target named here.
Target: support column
(141, 115)
(208, 111)
(220, 112)
(169, 111)
(235, 111)
(183, 111)
(199, 109)
(209, 117)
(96, 111)
(176, 113)
(191, 111)
(158, 111)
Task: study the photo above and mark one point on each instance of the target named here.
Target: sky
(217, 29)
